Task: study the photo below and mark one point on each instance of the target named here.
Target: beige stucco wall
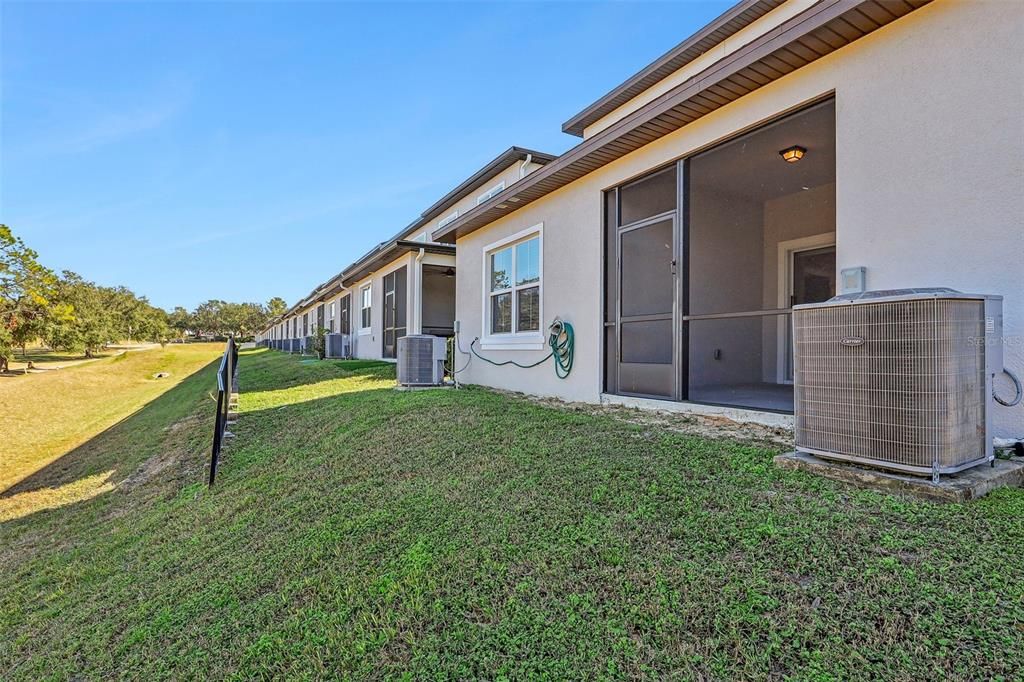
(929, 189)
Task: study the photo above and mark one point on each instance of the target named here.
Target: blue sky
(248, 150)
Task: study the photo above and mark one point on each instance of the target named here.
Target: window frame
(491, 193)
(515, 339)
(447, 219)
(368, 287)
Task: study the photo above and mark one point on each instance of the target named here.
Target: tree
(276, 307)
(180, 320)
(152, 323)
(320, 343)
(26, 287)
(220, 318)
(252, 318)
(208, 318)
(93, 322)
(131, 314)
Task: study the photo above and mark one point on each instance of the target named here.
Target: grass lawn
(49, 414)
(356, 531)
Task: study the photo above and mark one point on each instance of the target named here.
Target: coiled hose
(561, 341)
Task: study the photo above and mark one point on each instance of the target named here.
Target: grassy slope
(358, 531)
(49, 414)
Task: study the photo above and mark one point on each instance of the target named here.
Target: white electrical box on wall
(852, 280)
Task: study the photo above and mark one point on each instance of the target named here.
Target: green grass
(360, 532)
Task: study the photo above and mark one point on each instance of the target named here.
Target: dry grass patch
(49, 414)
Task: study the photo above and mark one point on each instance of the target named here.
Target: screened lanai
(705, 257)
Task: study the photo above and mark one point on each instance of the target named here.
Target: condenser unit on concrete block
(898, 379)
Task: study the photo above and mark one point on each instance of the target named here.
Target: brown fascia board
(733, 20)
(821, 29)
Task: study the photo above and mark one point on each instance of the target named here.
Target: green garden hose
(560, 340)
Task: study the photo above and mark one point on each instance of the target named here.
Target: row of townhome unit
(788, 151)
(405, 285)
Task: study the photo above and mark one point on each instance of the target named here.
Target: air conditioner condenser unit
(421, 360)
(898, 379)
(338, 346)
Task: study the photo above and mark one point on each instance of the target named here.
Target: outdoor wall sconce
(793, 154)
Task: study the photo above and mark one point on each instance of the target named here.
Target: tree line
(66, 312)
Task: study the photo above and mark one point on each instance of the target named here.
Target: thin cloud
(109, 124)
(323, 209)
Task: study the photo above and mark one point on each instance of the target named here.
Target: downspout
(419, 291)
(522, 168)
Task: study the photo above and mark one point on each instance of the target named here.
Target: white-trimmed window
(448, 218)
(492, 192)
(512, 285)
(365, 305)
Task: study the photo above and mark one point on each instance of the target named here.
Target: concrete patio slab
(967, 485)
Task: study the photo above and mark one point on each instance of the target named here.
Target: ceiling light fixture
(793, 154)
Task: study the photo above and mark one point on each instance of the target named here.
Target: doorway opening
(705, 258)
(437, 300)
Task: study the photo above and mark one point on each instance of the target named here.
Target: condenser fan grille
(899, 383)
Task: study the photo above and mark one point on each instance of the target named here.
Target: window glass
(492, 192)
(515, 280)
(501, 269)
(365, 312)
(528, 309)
(501, 313)
(528, 262)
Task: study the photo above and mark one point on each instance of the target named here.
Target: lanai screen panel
(751, 216)
(394, 311)
(641, 287)
(344, 307)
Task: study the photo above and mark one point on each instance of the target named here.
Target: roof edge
(673, 60)
(387, 253)
(856, 17)
(466, 186)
